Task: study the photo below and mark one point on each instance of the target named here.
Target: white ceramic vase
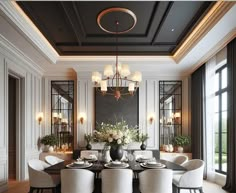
(51, 149)
(171, 148)
(180, 149)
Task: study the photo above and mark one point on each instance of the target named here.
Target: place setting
(116, 164)
(79, 164)
(153, 164)
(90, 158)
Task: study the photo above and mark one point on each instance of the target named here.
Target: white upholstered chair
(52, 160)
(39, 179)
(180, 159)
(87, 154)
(77, 181)
(156, 181)
(192, 178)
(117, 181)
(143, 154)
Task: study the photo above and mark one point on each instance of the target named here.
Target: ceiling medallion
(116, 10)
(121, 77)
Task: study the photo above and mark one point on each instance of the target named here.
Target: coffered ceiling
(72, 29)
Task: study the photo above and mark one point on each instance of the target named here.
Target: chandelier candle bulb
(103, 85)
(125, 70)
(131, 87)
(96, 77)
(137, 76)
(108, 71)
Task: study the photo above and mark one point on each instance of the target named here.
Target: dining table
(98, 166)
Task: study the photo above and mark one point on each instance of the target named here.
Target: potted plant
(88, 138)
(49, 141)
(181, 141)
(142, 138)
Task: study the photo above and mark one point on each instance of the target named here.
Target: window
(220, 119)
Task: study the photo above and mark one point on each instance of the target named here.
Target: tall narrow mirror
(62, 113)
(170, 110)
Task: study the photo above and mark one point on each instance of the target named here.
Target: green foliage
(142, 137)
(88, 138)
(49, 140)
(181, 140)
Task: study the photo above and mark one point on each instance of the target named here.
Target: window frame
(219, 93)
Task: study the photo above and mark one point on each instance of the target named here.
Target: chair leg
(31, 190)
(178, 190)
(54, 190)
(200, 190)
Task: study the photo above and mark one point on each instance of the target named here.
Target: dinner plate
(110, 165)
(152, 166)
(78, 166)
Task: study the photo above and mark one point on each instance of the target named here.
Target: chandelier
(118, 79)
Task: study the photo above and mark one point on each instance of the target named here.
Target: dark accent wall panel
(108, 109)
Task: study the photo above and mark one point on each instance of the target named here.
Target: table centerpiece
(115, 135)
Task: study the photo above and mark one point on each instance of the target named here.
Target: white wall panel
(13, 63)
(85, 104)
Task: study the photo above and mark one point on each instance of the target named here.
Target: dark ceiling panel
(177, 20)
(71, 27)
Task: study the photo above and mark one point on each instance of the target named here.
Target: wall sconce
(151, 118)
(177, 116)
(82, 118)
(40, 117)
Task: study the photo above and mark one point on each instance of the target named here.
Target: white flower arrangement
(115, 134)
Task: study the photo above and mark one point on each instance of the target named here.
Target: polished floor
(23, 187)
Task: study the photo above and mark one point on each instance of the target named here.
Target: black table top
(97, 167)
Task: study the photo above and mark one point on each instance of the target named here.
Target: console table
(171, 155)
(65, 156)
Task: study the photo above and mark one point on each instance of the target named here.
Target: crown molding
(219, 46)
(130, 58)
(212, 17)
(25, 25)
(15, 54)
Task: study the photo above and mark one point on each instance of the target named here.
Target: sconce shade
(177, 115)
(40, 117)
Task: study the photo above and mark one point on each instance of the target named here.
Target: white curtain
(210, 132)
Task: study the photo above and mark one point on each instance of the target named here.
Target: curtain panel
(231, 134)
(198, 134)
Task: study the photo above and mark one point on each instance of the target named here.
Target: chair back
(87, 154)
(181, 159)
(156, 181)
(193, 178)
(77, 181)
(38, 165)
(193, 164)
(52, 160)
(38, 178)
(140, 154)
(117, 181)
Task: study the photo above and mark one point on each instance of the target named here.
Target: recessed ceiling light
(172, 29)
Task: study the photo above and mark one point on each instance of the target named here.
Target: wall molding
(212, 17)
(9, 50)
